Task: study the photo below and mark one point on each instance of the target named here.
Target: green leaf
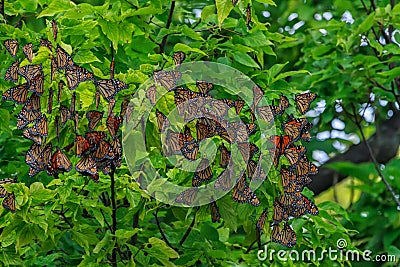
(84, 57)
(269, 2)
(366, 24)
(206, 12)
(107, 239)
(245, 59)
(224, 7)
(123, 233)
(186, 48)
(288, 74)
(55, 7)
(191, 33)
(160, 250)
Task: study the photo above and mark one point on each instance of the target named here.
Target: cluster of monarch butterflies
(209, 114)
(96, 152)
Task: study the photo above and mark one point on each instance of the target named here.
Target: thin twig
(105, 220)
(169, 21)
(112, 64)
(189, 229)
(160, 229)
(114, 217)
(376, 164)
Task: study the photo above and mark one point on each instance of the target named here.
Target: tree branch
(169, 21)
(376, 164)
(189, 229)
(161, 231)
(384, 145)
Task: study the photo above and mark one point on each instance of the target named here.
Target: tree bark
(384, 143)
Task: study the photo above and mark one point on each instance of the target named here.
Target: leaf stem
(161, 231)
(189, 229)
(169, 21)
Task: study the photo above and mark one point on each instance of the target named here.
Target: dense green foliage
(68, 220)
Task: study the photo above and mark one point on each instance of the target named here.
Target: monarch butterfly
(151, 94)
(12, 46)
(204, 87)
(9, 202)
(40, 127)
(35, 138)
(242, 193)
(261, 221)
(30, 72)
(171, 144)
(60, 88)
(238, 132)
(65, 114)
(38, 158)
(50, 102)
(203, 173)
(46, 43)
(258, 94)
(59, 162)
(182, 96)
(53, 70)
(188, 145)
(112, 68)
(305, 136)
(28, 51)
(306, 204)
(167, 79)
(75, 75)
(82, 145)
(294, 126)
(109, 88)
(248, 150)
(18, 94)
(305, 167)
(104, 166)
(215, 216)
(248, 15)
(224, 180)
(280, 213)
(291, 182)
(255, 170)
(36, 84)
(162, 121)
(218, 108)
(94, 117)
(29, 112)
(54, 28)
(209, 127)
(86, 166)
(117, 148)
(188, 196)
(63, 59)
(239, 104)
(3, 191)
(124, 107)
(286, 199)
(294, 154)
(225, 156)
(95, 137)
(73, 101)
(103, 150)
(179, 57)
(280, 144)
(193, 109)
(113, 123)
(285, 237)
(12, 72)
(304, 100)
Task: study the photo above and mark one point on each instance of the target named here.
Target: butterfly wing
(28, 51)
(203, 173)
(304, 101)
(12, 72)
